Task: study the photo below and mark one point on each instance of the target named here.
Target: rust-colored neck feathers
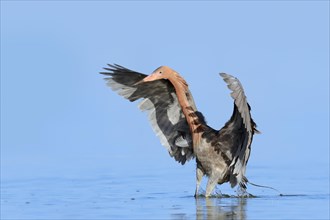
(187, 105)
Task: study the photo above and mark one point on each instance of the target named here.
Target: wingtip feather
(222, 74)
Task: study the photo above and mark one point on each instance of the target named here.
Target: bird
(221, 155)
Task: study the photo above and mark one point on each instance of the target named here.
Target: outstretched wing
(160, 102)
(237, 134)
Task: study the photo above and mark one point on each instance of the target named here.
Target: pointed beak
(138, 83)
(151, 77)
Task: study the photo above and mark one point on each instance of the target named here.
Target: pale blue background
(58, 119)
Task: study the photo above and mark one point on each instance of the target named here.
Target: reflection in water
(217, 208)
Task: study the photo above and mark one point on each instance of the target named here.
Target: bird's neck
(187, 105)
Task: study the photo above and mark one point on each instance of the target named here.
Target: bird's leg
(211, 183)
(199, 176)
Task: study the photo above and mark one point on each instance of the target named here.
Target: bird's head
(163, 72)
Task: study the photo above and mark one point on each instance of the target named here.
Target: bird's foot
(241, 192)
(199, 193)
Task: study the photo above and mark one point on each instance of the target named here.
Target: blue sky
(58, 117)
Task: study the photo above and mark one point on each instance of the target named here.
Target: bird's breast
(209, 158)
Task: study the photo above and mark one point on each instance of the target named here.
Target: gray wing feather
(240, 153)
(160, 103)
(240, 99)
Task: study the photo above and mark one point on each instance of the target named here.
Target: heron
(221, 155)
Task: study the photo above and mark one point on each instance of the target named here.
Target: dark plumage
(222, 154)
(158, 97)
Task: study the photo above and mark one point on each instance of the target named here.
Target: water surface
(166, 194)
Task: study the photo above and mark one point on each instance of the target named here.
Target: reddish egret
(221, 155)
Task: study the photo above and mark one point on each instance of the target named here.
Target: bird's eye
(160, 72)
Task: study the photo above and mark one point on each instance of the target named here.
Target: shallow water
(165, 194)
